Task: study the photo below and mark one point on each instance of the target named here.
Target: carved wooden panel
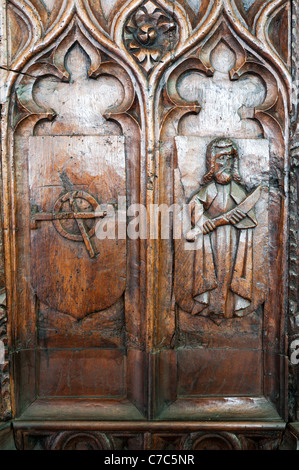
(149, 218)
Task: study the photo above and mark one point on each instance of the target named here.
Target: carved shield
(74, 183)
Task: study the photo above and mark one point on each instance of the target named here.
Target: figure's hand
(237, 217)
(193, 234)
(208, 227)
(191, 237)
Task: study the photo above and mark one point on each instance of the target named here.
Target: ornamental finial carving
(149, 33)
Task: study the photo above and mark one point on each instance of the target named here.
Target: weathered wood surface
(107, 105)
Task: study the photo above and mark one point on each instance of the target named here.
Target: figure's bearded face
(223, 167)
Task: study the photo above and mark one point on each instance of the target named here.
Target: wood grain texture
(70, 182)
(138, 344)
(198, 101)
(294, 244)
(85, 164)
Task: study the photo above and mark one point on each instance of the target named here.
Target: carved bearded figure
(223, 221)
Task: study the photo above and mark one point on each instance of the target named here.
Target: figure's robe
(223, 261)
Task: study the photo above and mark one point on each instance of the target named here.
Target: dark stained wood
(178, 341)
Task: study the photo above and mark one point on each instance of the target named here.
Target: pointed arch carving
(28, 112)
(182, 133)
(72, 54)
(53, 64)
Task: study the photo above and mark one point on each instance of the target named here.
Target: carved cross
(58, 215)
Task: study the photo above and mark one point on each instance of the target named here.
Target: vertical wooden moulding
(6, 377)
(293, 240)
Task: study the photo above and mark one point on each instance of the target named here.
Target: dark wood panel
(168, 340)
(220, 372)
(100, 330)
(78, 373)
(245, 333)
